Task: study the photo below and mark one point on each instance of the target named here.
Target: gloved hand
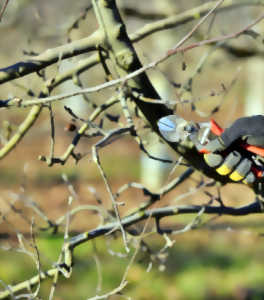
(230, 159)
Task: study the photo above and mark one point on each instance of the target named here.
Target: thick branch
(49, 57)
(125, 59)
(159, 213)
(26, 67)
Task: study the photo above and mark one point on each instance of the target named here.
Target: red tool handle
(215, 128)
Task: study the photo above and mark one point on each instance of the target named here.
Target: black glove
(227, 157)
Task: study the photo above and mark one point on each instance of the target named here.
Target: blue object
(170, 127)
(166, 124)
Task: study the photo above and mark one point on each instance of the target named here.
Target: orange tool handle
(215, 128)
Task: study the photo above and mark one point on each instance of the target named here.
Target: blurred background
(221, 260)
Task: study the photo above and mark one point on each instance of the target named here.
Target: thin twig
(112, 197)
(3, 8)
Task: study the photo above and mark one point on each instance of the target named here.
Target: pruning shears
(176, 129)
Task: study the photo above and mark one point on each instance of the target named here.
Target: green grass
(194, 269)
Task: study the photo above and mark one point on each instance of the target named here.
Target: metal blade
(172, 128)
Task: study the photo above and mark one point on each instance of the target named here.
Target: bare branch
(49, 57)
(3, 9)
(22, 68)
(189, 15)
(28, 102)
(157, 213)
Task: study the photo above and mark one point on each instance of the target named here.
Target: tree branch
(26, 67)
(124, 57)
(49, 57)
(188, 16)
